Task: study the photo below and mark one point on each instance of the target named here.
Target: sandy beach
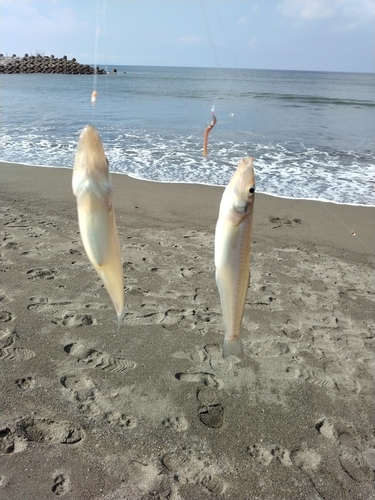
(155, 412)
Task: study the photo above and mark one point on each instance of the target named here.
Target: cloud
(30, 16)
(353, 11)
(357, 13)
(343, 15)
(307, 9)
(252, 43)
(49, 26)
(252, 7)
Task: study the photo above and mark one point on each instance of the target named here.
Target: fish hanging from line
(206, 132)
(92, 186)
(232, 252)
(94, 95)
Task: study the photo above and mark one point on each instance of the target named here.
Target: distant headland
(45, 64)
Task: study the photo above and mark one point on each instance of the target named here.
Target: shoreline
(335, 220)
(195, 184)
(155, 411)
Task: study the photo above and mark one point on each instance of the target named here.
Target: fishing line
(95, 77)
(239, 72)
(351, 231)
(105, 50)
(226, 38)
(214, 120)
(216, 57)
(210, 35)
(100, 16)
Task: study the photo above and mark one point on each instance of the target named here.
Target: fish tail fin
(232, 347)
(120, 317)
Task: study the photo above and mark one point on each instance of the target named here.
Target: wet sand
(154, 411)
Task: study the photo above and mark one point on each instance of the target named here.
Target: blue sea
(312, 134)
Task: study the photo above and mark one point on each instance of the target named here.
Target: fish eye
(252, 190)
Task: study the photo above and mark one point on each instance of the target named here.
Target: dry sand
(155, 412)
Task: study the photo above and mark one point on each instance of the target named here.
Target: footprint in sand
(326, 428)
(357, 460)
(213, 483)
(178, 423)
(10, 353)
(72, 251)
(292, 328)
(58, 312)
(40, 273)
(147, 478)
(97, 359)
(5, 267)
(42, 304)
(81, 387)
(354, 464)
(272, 348)
(284, 221)
(303, 457)
(212, 415)
(92, 404)
(154, 310)
(266, 297)
(11, 245)
(25, 382)
(5, 316)
(16, 354)
(260, 454)
(211, 411)
(81, 391)
(207, 379)
(61, 484)
(156, 313)
(341, 432)
(8, 334)
(196, 355)
(73, 320)
(302, 295)
(189, 467)
(314, 376)
(42, 430)
(120, 419)
(213, 353)
(265, 454)
(11, 442)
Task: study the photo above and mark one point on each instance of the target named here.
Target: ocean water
(312, 134)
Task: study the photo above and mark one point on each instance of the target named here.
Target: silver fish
(92, 186)
(232, 252)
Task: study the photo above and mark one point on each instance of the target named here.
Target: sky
(315, 35)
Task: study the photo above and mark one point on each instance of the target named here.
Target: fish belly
(100, 240)
(232, 261)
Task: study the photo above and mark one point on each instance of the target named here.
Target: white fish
(93, 189)
(232, 252)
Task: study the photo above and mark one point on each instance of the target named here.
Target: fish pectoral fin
(233, 347)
